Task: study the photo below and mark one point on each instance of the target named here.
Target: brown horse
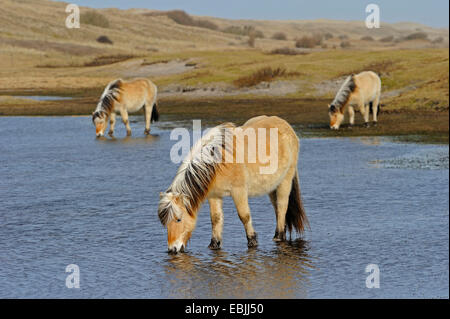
(362, 90)
(206, 175)
(125, 97)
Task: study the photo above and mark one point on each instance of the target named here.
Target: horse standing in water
(206, 176)
(362, 90)
(125, 97)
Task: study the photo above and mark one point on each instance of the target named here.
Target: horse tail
(296, 216)
(155, 113)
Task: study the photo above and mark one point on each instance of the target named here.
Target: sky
(433, 13)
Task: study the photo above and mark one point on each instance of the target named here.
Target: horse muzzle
(176, 249)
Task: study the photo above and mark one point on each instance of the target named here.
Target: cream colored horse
(362, 90)
(125, 97)
(203, 175)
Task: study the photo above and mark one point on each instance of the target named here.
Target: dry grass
(262, 75)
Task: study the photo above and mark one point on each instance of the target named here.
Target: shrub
(308, 42)
(438, 40)
(389, 38)
(343, 37)
(417, 36)
(181, 17)
(279, 36)
(109, 59)
(251, 40)
(345, 44)
(104, 39)
(263, 75)
(94, 18)
(287, 51)
(328, 36)
(244, 31)
(207, 25)
(367, 38)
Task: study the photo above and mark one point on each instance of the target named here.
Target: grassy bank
(308, 115)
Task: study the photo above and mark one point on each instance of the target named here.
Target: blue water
(68, 198)
(44, 98)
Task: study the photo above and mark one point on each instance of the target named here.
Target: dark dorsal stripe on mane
(109, 96)
(197, 172)
(344, 94)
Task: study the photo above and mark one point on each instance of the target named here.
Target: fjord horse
(204, 175)
(362, 90)
(125, 97)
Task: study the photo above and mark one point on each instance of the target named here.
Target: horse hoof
(215, 244)
(111, 134)
(375, 124)
(279, 237)
(147, 132)
(366, 125)
(252, 241)
(128, 133)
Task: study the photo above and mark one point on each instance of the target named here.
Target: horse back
(368, 84)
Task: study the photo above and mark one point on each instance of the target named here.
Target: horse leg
(125, 120)
(112, 124)
(351, 113)
(148, 114)
(215, 205)
(365, 111)
(273, 198)
(240, 198)
(282, 193)
(376, 105)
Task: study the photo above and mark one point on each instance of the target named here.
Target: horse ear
(161, 195)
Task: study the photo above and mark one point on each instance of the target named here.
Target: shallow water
(44, 97)
(67, 198)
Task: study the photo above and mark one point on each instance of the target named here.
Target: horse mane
(110, 94)
(344, 93)
(197, 172)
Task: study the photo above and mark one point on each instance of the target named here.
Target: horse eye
(179, 220)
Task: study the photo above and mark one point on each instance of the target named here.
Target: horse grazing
(362, 90)
(205, 175)
(123, 97)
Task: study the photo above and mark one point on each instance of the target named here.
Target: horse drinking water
(362, 90)
(203, 175)
(125, 97)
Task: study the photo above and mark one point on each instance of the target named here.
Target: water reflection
(279, 273)
(129, 140)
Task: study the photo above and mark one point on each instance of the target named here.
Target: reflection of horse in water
(202, 176)
(280, 273)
